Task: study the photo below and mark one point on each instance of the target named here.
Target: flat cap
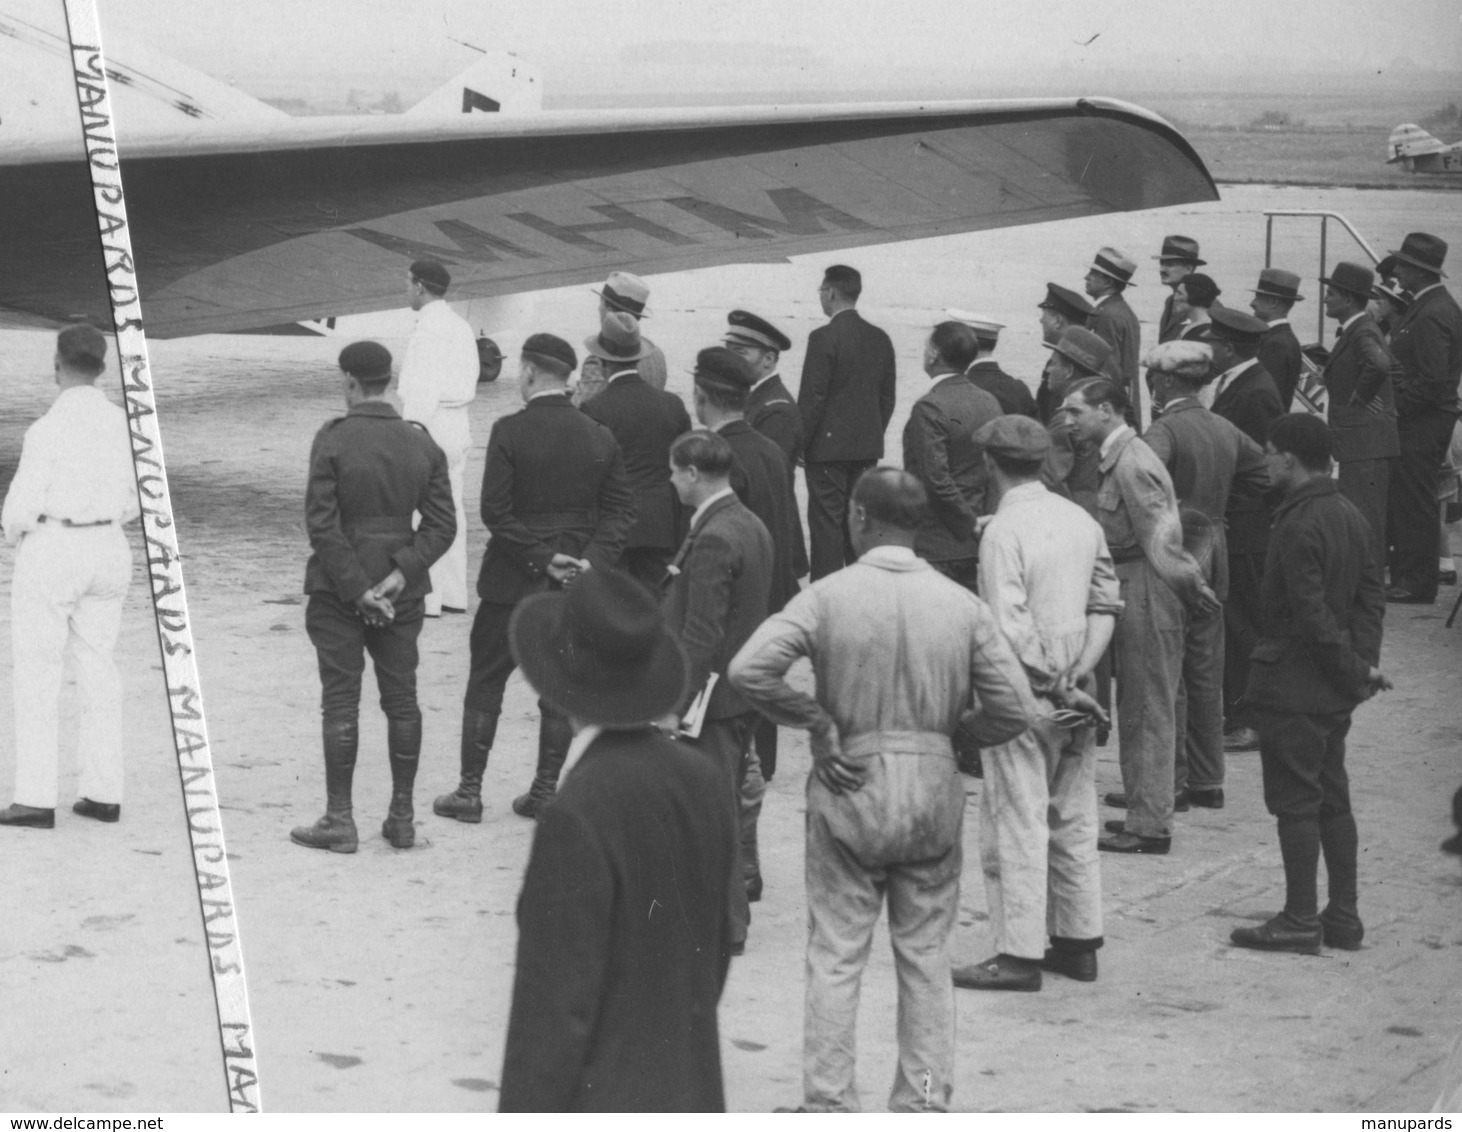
(367, 360)
(1084, 348)
(1191, 361)
(82, 344)
(1113, 264)
(1235, 326)
(552, 348)
(1068, 302)
(755, 330)
(1016, 437)
(431, 271)
(984, 327)
(719, 368)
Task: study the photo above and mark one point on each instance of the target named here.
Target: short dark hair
(1305, 437)
(432, 274)
(892, 497)
(1102, 391)
(1019, 466)
(705, 451)
(1200, 289)
(83, 348)
(547, 351)
(844, 280)
(956, 344)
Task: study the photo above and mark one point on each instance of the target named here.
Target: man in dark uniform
(985, 372)
(556, 502)
(1072, 464)
(1108, 277)
(1243, 392)
(1427, 345)
(622, 932)
(644, 420)
(1323, 605)
(1178, 260)
(1279, 349)
(1061, 308)
(770, 409)
(1362, 411)
(941, 452)
(846, 400)
(369, 470)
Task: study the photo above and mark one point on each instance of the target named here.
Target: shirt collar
(763, 381)
(1104, 298)
(581, 743)
(1234, 371)
(1115, 435)
(701, 510)
(1424, 290)
(1279, 322)
(373, 408)
(1351, 321)
(549, 393)
(892, 558)
(622, 373)
(1021, 493)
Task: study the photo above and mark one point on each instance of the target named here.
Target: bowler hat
(1015, 436)
(757, 331)
(600, 651)
(1113, 264)
(618, 339)
(1279, 284)
(1423, 250)
(431, 271)
(1234, 326)
(1182, 249)
(1067, 302)
(82, 344)
(626, 292)
(986, 329)
(719, 368)
(1084, 348)
(366, 360)
(1352, 277)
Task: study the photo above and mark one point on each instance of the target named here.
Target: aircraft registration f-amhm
(245, 220)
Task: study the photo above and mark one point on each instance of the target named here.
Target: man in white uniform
(65, 509)
(438, 382)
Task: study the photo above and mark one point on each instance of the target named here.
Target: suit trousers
(1412, 502)
(1198, 709)
(1038, 839)
(341, 641)
(1366, 483)
(451, 430)
(829, 485)
(66, 597)
(728, 742)
(1241, 616)
(1148, 648)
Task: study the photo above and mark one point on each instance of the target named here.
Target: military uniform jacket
(645, 421)
(719, 587)
(1251, 401)
(1359, 371)
(623, 936)
(762, 479)
(553, 483)
(1279, 353)
(1427, 342)
(847, 393)
(1321, 603)
(772, 412)
(1117, 323)
(941, 450)
(1012, 393)
(369, 471)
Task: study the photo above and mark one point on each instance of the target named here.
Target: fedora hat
(600, 651)
(1423, 250)
(1113, 264)
(1183, 249)
(1279, 284)
(618, 339)
(1352, 277)
(1084, 348)
(625, 292)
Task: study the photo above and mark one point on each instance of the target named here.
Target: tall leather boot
(479, 729)
(336, 830)
(1340, 918)
(403, 741)
(555, 733)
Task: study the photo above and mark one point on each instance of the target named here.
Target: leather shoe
(1279, 934)
(1000, 972)
(1400, 595)
(1134, 843)
(102, 811)
(1206, 799)
(1116, 825)
(1118, 801)
(33, 817)
(1078, 965)
(753, 888)
(1241, 739)
(1342, 934)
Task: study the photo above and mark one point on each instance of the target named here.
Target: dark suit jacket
(1073, 466)
(1117, 323)
(1012, 393)
(1168, 324)
(847, 392)
(1252, 402)
(941, 450)
(1279, 353)
(623, 937)
(645, 421)
(369, 470)
(772, 412)
(1359, 370)
(553, 483)
(719, 588)
(762, 479)
(1322, 602)
(1427, 342)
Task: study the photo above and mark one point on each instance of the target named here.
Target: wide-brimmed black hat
(1423, 250)
(600, 651)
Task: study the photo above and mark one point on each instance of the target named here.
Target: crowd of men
(1218, 579)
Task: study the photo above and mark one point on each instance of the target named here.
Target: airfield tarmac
(382, 981)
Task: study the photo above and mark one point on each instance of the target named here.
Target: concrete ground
(382, 980)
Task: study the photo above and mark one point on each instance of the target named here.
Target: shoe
(1400, 595)
(1116, 825)
(453, 609)
(1278, 935)
(479, 729)
(737, 948)
(1241, 739)
(1205, 799)
(32, 817)
(102, 811)
(1133, 843)
(1345, 933)
(1447, 578)
(753, 888)
(1078, 965)
(1118, 801)
(1000, 972)
(333, 832)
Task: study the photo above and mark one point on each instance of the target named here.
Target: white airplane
(1419, 152)
(245, 218)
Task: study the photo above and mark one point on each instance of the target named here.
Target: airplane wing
(239, 225)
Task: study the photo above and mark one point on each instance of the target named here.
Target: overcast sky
(265, 45)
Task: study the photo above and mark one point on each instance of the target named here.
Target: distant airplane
(246, 218)
(1419, 152)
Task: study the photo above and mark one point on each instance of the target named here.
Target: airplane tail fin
(1410, 140)
(498, 83)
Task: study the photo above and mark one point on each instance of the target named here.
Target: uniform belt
(385, 524)
(74, 523)
(1127, 554)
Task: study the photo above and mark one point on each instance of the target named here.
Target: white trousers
(67, 596)
(451, 429)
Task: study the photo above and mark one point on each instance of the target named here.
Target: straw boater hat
(626, 292)
(1113, 264)
(1279, 284)
(1180, 249)
(618, 339)
(1083, 348)
(1352, 277)
(600, 651)
(1423, 250)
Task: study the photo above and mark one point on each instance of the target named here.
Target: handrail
(1325, 216)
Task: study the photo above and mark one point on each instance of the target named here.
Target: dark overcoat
(847, 393)
(762, 479)
(1359, 372)
(941, 451)
(772, 412)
